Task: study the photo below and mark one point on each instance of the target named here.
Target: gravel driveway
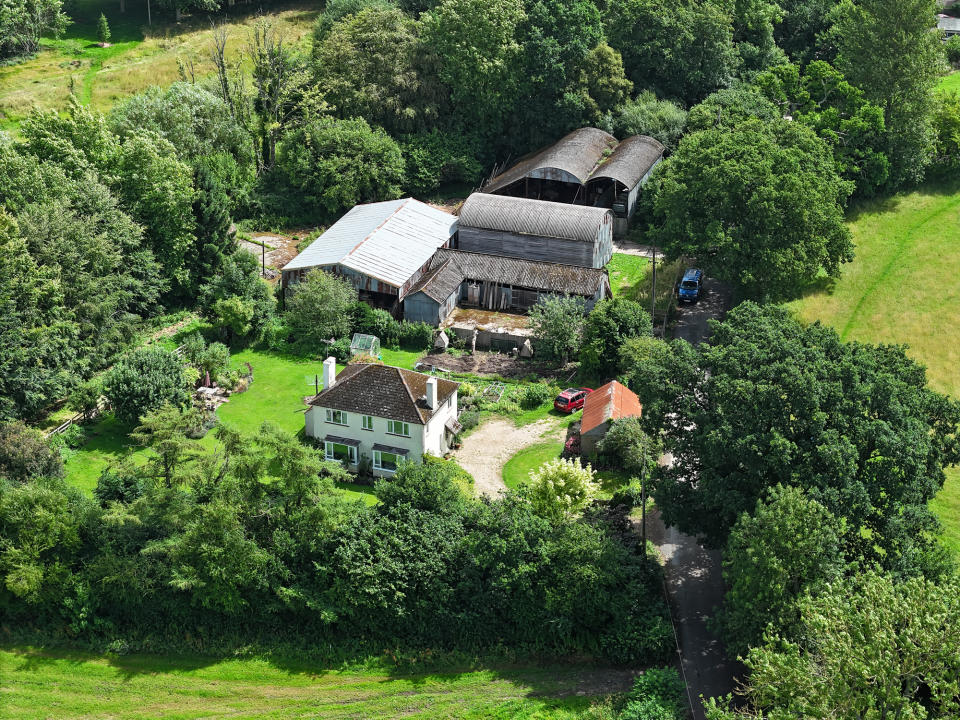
(486, 450)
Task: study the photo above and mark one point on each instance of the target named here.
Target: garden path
(486, 450)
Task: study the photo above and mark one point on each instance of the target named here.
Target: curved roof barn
(583, 156)
(570, 159)
(540, 218)
(632, 159)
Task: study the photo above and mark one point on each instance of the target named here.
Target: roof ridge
(403, 202)
(403, 379)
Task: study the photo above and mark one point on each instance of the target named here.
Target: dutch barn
(493, 282)
(382, 248)
(586, 167)
(536, 230)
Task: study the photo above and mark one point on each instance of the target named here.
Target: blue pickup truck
(690, 288)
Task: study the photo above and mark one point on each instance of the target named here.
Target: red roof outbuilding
(609, 402)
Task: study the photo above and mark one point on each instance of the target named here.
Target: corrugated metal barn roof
(632, 159)
(388, 240)
(449, 268)
(533, 217)
(571, 159)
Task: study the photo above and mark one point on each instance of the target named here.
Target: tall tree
(682, 50)
(211, 211)
(24, 22)
(869, 647)
(789, 545)
(888, 48)
(776, 402)
(761, 206)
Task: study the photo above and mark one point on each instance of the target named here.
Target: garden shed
(605, 404)
(536, 230)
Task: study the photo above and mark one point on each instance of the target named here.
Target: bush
(560, 488)
(533, 396)
(277, 335)
(658, 694)
(339, 350)
(119, 483)
(24, 454)
(319, 309)
(435, 158)
(144, 381)
(469, 419)
(84, 398)
(646, 115)
(416, 335)
(953, 49)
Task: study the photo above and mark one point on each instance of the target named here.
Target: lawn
(902, 288)
(949, 82)
(631, 277)
(517, 469)
(139, 55)
(40, 685)
(276, 395)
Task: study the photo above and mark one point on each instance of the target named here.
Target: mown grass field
(139, 55)
(517, 469)
(904, 287)
(39, 685)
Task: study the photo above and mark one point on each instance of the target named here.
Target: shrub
(646, 115)
(560, 488)
(434, 158)
(24, 454)
(416, 335)
(319, 309)
(143, 381)
(953, 49)
(533, 396)
(84, 398)
(277, 335)
(469, 419)
(118, 483)
(339, 350)
(658, 694)
(466, 390)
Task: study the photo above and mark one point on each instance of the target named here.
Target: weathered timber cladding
(543, 249)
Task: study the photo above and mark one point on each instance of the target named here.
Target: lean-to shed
(493, 282)
(536, 230)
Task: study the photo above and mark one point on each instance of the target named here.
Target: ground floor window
(338, 451)
(385, 461)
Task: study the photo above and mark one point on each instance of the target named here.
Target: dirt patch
(485, 451)
(493, 363)
(280, 249)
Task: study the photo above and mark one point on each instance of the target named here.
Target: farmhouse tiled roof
(383, 391)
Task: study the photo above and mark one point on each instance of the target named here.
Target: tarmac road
(693, 573)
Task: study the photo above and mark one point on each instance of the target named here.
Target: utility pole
(653, 294)
(149, 21)
(643, 511)
(263, 259)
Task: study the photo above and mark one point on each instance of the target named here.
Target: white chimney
(329, 373)
(432, 393)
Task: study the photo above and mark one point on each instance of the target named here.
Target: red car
(571, 399)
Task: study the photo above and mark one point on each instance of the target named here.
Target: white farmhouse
(385, 413)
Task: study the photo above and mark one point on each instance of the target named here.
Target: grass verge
(40, 685)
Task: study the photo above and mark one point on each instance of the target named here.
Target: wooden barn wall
(533, 247)
(420, 307)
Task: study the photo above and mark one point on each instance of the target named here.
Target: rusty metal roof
(632, 159)
(449, 268)
(533, 217)
(608, 402)
(570, 159)
(388, 240)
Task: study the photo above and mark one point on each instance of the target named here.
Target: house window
(395, 427)
(337, 417)
(367, 422)
(338, 451)
(385, 461)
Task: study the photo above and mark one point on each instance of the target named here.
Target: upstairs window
(367, 422)
(336, 417)
(395, 427)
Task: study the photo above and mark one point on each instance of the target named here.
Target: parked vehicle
(571, 399)
(690, 288)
